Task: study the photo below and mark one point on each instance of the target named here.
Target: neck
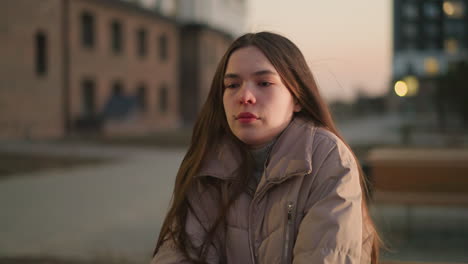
(260, 154)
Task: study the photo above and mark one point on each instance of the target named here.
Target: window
(432, 30)
(410, 45)
(431, 45)
(116, 36)
(141, 97)
(410, 11)
(431, 9)
(141, 42)
(163, 47)
(410, 30)
(454, 28)
(88, 97)
(87, 30)
(41, 53)
(163, 98)
(117, 89)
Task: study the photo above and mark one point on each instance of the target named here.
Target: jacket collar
(290, 155)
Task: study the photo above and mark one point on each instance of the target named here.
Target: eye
(231, 85)
(264, 84)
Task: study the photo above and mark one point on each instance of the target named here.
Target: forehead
(248, 60)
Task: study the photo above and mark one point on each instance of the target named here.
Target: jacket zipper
(257, 196)
(287, 238)
(249, 231)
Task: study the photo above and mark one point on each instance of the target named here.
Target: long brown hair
(211, 126)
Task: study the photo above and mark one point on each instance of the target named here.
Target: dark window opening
(41, 53)
(89, 121)
(163, 47)
(116, 37)
(163, 99)
(88, 98)
(87, 30)
(119, 105)
(141, 97)
(117, 89)
(141, 40)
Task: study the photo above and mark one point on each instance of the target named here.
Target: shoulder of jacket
(325, 134)
(327, 141)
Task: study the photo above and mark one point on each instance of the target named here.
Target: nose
(246, 95)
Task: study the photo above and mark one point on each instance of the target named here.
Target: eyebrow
(258, 73)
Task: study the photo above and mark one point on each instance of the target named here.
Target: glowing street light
(453, 9)
(412, 84)
(401, 88)
(449, 8)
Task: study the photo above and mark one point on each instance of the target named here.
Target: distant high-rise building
(428, 35)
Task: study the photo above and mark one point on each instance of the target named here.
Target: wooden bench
(421, 176)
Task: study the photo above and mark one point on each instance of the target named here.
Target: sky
(347, 44)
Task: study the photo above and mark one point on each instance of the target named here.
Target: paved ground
(423, 233)
(110, 210)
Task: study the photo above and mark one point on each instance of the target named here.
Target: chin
(251, 140)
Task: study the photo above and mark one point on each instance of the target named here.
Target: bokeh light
(401, 89)
(449, 8)
(431, 66)
(412, 84)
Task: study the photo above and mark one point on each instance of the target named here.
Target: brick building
(106, 66)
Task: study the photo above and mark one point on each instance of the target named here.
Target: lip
(246, 117)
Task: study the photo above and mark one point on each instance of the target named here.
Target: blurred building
(201, 49)
(105, 66)
(207, 28)
(428, 36)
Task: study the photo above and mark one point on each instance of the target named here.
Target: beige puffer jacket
(305, 209)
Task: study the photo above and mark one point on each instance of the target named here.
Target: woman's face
(258, 105)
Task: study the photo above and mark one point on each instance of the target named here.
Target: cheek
(227, 105)
(281, 103)
(288, 101)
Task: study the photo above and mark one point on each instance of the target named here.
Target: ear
(297, 106)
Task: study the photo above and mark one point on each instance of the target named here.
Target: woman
(267, 178)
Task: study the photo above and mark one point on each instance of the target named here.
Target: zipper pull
(287, 237)
(290, 209)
